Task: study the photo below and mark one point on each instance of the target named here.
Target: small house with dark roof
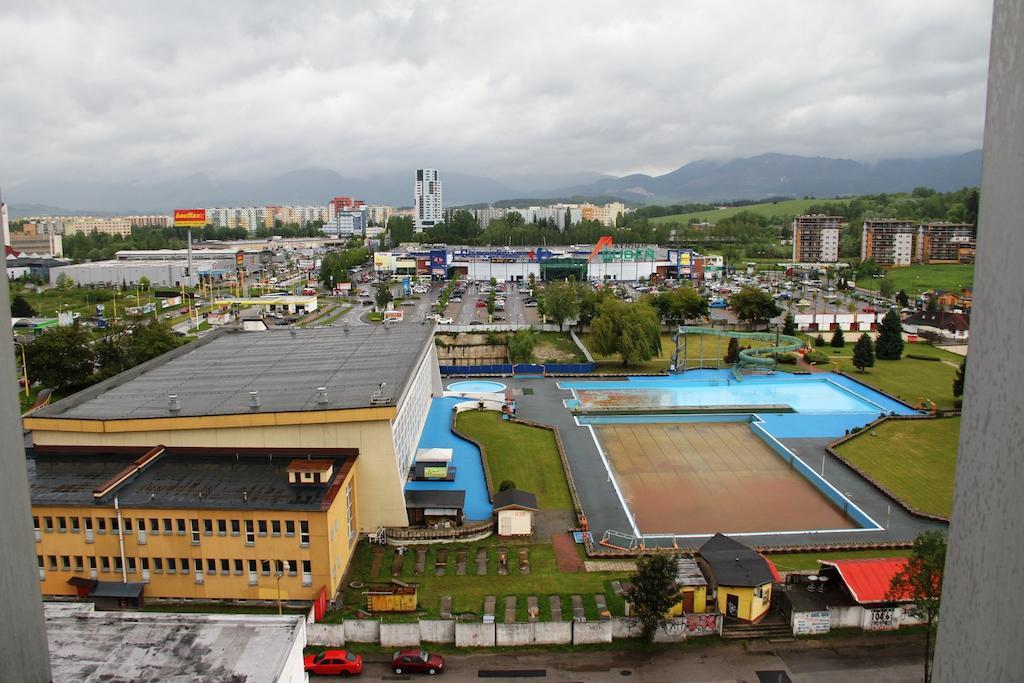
(693, 587)
(515, 510)
(739, 579)
(942, 324)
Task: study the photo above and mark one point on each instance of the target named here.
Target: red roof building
(868, 580)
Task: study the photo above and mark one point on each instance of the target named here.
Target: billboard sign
(396, 316)
(239, 259)
(612, 255)
(684, 262)
(189, 218)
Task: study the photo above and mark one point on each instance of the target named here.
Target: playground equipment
(927, 404)
(762, 358)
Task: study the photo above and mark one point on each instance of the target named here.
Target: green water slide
(760, 358)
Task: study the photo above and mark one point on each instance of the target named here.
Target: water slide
(760, 358)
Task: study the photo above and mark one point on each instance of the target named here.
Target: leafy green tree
(921, 582)
(520, 346)
(145, 283)
(902, 299)
(679, 305)
(889, 345)
(62, 358)
(64, 282)
(789, 325)
(754, 305)
(561, 302)
(864, 353)
(958, 381)
(838, 341)
(383, 296)
(732, 352)
(653, 591)
(819, 341)
(633, 331)
(21, 308)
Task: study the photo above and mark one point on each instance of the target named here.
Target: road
(798, 663)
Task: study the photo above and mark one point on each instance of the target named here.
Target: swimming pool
(477, 387)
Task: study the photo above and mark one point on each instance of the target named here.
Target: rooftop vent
(378, 396)
(321, 395)
(173, 404)
(254, 399)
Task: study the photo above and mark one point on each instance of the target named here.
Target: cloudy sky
(157, 90)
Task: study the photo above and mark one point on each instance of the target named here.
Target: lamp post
(282, 568)
(20, 343)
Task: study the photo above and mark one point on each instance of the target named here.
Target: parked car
(530, 304)
(480, 303)
(497, 318)
(475, 322)
(334, 663)
(416, 661)
(408, 302)
(444, 321)
(455, 300)
(868, 309)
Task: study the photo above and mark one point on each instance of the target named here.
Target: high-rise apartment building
(946, 243)
(816, 238)
(888, 242)
(427, 199)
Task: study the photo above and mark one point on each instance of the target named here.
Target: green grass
(563, 344)
(469, 591)
(918, 278)
(526, 455)
(790, 208)
(709, 347)
(801, 562)
(914, 459)
(908, 379)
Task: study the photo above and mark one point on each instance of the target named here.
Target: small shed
(435, 507)
(110, 595)
(389, 598)
(515, 510)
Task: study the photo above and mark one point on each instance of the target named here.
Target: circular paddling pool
(477, 387)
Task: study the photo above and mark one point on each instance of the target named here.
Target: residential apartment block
(943, 242)
(816, 238)
(888, 242)
(427, 199)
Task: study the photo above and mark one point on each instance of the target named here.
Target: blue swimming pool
(477, 387)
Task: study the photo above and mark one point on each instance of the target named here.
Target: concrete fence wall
(325, 634)
(472, 634)
(362, 631)
(552, 632)
(437, 631)
(400, 635)
(587, 632)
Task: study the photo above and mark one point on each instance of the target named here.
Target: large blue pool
(477, 387)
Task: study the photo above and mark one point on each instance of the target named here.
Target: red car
(416, 661)
(868, 309)
(480, 303)
(334, 663)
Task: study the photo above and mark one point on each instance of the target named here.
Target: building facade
(888, 242)
(427, 200)
(816, 238)
(117, 226)
(946, 243)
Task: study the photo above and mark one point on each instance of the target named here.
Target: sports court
(705, 477)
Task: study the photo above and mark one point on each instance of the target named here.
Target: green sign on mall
(613, 255)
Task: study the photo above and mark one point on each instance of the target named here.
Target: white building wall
(413, 407)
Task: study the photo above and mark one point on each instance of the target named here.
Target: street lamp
(19, 341)
(283, 566)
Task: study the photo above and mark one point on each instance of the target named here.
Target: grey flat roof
(148, 646)
(215, 375)
(194, 480)
(435, 498)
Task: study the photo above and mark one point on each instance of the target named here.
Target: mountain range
(766, 175)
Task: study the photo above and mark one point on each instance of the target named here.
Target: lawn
(908, 379)
(557, 347)
(915, 279)
(801, 562)
(469, 591)
(914, 459)
(709, 347)
(790, 208)
(525, 455)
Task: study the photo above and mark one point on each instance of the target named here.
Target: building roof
(868, 580)
(688, 572)
(943, 320)
(86, 645)
(435, 498)
(286, 366)
(178, 478)
(116, 589)
(734, 564)
(514, 498)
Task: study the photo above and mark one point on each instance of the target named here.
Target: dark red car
(334, 663)
(417, 661)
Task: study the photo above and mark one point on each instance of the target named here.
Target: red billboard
(190, 218)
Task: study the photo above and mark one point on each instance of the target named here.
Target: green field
(919, 278)
(792, 207)
(908, 379)
(914, 459)
(709, 347)
(802, 562)
(525, 455)
(469, 591)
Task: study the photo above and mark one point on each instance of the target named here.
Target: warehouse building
(232, 466)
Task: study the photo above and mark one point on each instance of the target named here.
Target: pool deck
(541, 400)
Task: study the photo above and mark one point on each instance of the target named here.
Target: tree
(885, 287)
(506, 484)
(383, 296)
(889, 345)
(21, 308)
(653, 591)
(958, 381)
(921, 582)
(561, 302)
(819, 341)
(633, 331)
(754, 305)
(680, 304)
(902, 299)
(789, 326)
(520, 346)
(837, 341)
(732, 353)
(864, 353)
(144, 283)
(64, 282)
(62, 358)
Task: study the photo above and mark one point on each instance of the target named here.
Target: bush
(506, 484)
(919, 356)
(816, 357)
(787, 358)
(819, 341)
(837, 338)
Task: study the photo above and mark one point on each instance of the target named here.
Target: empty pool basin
(477, 387)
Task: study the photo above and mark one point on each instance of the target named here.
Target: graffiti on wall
(701, 624)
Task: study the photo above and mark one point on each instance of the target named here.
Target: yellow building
(693, 588)
(740, 579)
(207, 449)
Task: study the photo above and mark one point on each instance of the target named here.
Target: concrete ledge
(515, 635)
(325, 634)
(471, 634)
(589, 632)
(552, 632)
(400, 635)
(362, 630)
(437, 631)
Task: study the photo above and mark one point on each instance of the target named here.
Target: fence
(521, 368)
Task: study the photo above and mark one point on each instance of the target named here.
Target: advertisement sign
(613, 255)
(435, 472)
(395, 316)
(684, 262)
(806, 623)
(382, 260)
(189, 218)
(172, 301)
(239, 259)
(438, 260)
(883, 619)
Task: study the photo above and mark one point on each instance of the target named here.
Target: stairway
(773, 629)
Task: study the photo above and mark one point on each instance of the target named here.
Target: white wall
(413, 407)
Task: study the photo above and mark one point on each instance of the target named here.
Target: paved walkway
(566, 555)
(609, 565)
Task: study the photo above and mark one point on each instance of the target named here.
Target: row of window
(175, 526)
(172, 565)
